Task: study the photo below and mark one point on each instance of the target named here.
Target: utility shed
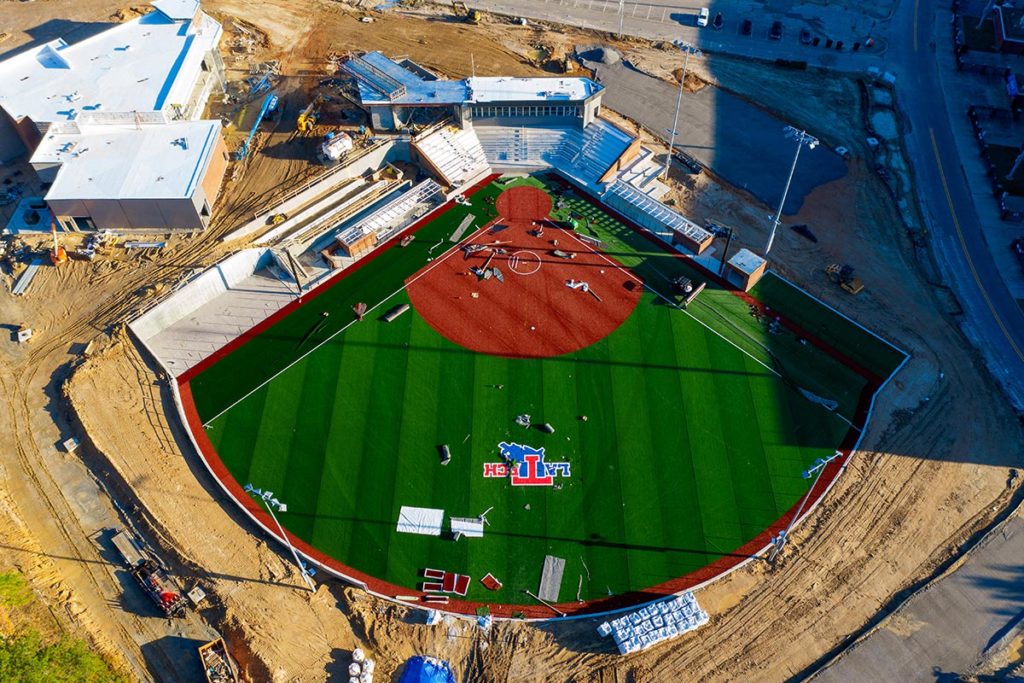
(745, 268)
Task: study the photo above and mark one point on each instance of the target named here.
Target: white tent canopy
(423, 521)
(470, 527)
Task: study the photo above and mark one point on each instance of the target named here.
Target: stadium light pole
(267, 497)
(802, 138)
(689, 50)
(779, 542)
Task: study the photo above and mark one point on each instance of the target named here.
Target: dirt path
(933, 468)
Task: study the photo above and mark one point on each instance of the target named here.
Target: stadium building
(111, 122)
(464, 129)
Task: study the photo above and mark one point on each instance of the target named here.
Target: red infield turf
(533, 313)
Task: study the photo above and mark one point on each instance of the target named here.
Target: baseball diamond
(662, 445)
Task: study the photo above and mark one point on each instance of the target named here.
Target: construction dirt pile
(933, 468)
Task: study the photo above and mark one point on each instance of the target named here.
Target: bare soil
(932, 469)
(529, 313)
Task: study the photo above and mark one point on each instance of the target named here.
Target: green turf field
(695, 440)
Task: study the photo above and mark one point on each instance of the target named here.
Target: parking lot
(837, 26)
(740, 142)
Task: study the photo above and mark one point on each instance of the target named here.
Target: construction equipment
(58, 254)
(563, 60)
(843, 276)
(278, 218)
(148, 574)
(269, 105)
(217, 663)
(334, 148)
(470, 16)
(309, 116)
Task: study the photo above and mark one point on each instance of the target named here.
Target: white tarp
(470, 527)
(424, 521)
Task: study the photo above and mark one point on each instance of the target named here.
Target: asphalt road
(676, 19)
(993, 318)
(941, 632)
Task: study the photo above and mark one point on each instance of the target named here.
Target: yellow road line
(963, 246)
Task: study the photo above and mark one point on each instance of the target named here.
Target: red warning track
(512, 297)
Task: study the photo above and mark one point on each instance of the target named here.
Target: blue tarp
(427, 670)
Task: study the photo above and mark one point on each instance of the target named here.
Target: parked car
(747, 27)
(776, 31)
(805, 36)
(717, 22)
(702, 17)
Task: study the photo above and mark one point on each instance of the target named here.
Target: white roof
(424, 521)
(145, 64)
(512, 89)
(746, 261)
(471, 527)
(128, 162)
(177, 9)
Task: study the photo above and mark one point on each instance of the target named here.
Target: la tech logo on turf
(525, 466)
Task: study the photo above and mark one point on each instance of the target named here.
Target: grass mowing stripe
(491, 416)
(376, 500)
(718, 511)
(747, 457)
(643, 502)
(236, 450)
(355, 372)
(611, 567)
(271, 455)
(598, 477)
(418, 478)
(334, 503)
(454, 392)
(672, 467)
(673, 442)
(315, 402)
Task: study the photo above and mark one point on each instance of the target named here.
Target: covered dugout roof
(141, 65)
(129, 162)
(384, 81)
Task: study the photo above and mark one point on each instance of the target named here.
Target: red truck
(150, 576)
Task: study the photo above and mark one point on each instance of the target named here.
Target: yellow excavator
(308, 116)
(470, 16)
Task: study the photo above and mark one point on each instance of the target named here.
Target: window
(205, 213)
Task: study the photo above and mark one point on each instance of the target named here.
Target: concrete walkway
(942, 632)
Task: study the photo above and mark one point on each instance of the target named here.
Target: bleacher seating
(584, 156)
(599, 147)
(651, 214)
(456, 153)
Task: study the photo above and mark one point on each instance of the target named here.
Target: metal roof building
(100, 118)
(398, 96)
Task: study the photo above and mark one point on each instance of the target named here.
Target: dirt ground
(501, 318)
(932, 470)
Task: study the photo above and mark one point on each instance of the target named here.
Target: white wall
(202, 289)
